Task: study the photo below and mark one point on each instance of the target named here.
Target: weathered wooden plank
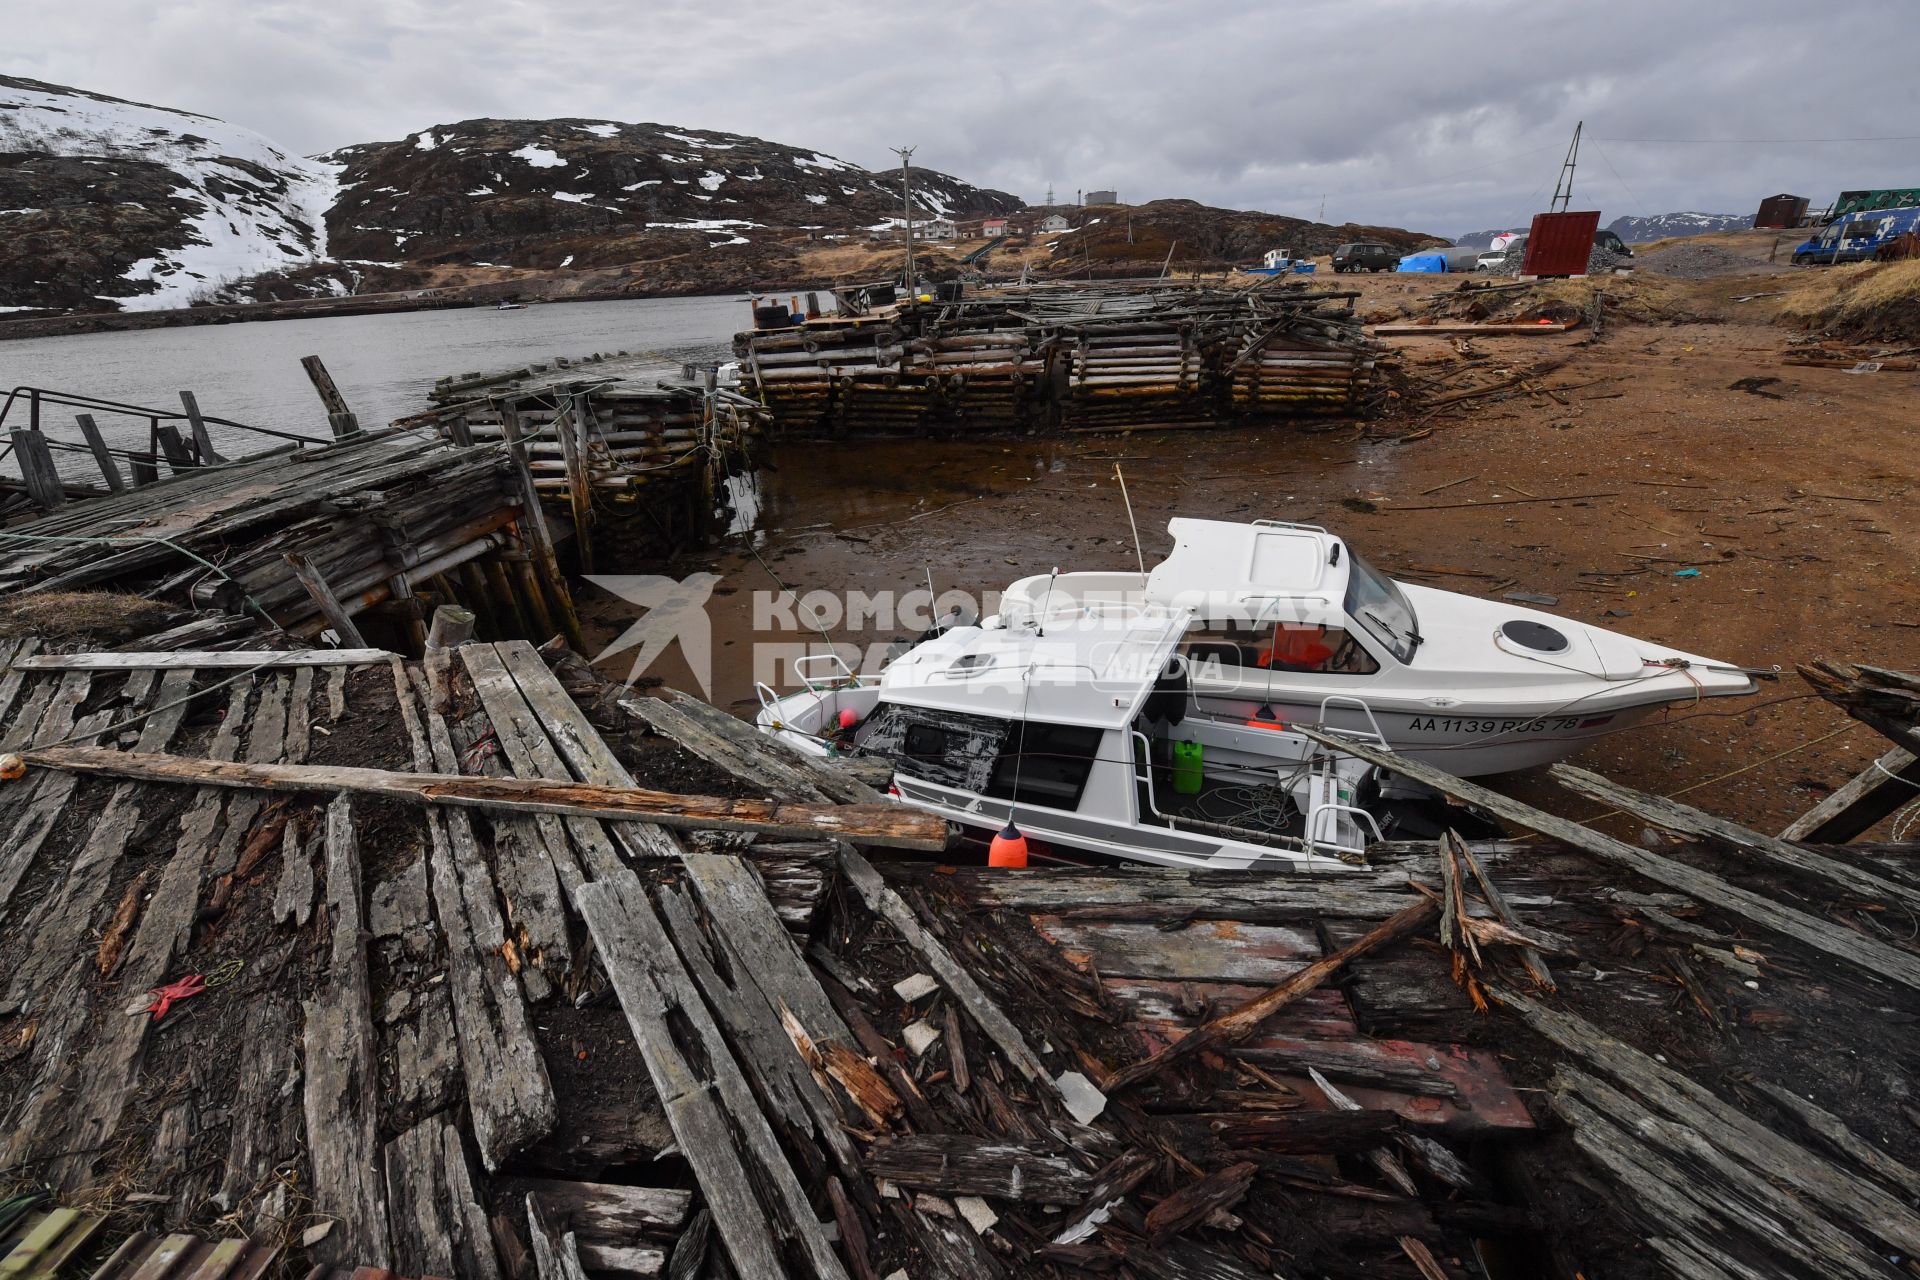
(1220, 949)
(789, 1092)
(1238, 1024)
(1671, 815)
(1877, 791)
(1668, 1093)
(961, 1165)
(266, 1136)
(745, 752)
(341, 1086)
(439, 1228)
(1833, 1131)
(507, 1086)
(321, 593)
(585, 751)
(889, 824)
(222, 659)
(603, 1212)
(1702, 1182)
(556, 1253)
(890, 906)
(43, 800)
(1830, 939)
(720, 1128)
(531, 755)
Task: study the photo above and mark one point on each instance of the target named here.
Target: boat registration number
(1546, 724)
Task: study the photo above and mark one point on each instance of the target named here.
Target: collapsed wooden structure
(1048, 358)
(613, 435)
(381, 526)
(505, 1041)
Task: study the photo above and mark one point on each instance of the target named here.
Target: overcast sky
(1441, 117)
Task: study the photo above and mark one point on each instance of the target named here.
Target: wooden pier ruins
(608, 433)
(479, 966)
(1072, 358)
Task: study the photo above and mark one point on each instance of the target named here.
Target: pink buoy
(849, 717)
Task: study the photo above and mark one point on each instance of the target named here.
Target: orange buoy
(849, 717)
(1009, 848)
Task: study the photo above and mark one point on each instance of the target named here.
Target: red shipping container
(1560, 244)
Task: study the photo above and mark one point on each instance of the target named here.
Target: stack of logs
(1010, 361)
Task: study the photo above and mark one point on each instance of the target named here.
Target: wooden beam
(1830, 939)
(339, 416)
(1880, 789)
(1671, 815)
(109, 470)
(1241, 1022)
(889, 824)
(42, 478)
(884, 902)
(208, 659)
(323, 598)
(202, 442)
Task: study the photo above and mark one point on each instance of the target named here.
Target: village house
(937, 229)
(993, 227)
(1052, 224)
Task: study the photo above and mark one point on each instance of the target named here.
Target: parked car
(1612, 243)
(1507, 257)
(1364, 255)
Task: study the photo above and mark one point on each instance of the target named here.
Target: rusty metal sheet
(1560, 243)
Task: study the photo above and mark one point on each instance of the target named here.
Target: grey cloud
(1439, 117)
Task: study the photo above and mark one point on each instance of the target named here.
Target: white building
(994, 227)
(937, 229)
(1052, 224)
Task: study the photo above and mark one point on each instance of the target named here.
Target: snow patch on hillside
(538, 156)
(712, 179)
(258, 209)
(601, 130)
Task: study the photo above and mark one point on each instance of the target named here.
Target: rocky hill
(106, 203)
(1663, 226)
(1202, 237)
(592, 193)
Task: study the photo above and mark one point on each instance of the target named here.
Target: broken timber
(1831, 939)
(889, 824)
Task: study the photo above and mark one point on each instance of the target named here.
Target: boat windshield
(1377, 603)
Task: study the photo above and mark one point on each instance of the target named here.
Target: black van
(1364, 255)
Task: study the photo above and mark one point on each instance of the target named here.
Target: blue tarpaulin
(1434, 262)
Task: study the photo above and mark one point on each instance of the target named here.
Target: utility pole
(1563, 185)
(906, 199)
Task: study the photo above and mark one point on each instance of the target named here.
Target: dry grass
(1875, 301)
(104, 616)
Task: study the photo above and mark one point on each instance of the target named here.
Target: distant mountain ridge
(1661, 226)
(586, 193)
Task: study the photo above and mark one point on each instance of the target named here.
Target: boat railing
(1332, 811)
(803, 671)
(1290, 524)
(1372, 734)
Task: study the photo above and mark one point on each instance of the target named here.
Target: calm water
(384, 364)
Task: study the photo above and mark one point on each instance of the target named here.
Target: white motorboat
(1291, 625)
(1081, 730)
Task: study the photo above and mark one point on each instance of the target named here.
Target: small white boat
(1291, 625)
(510, 306)
(1082, 731)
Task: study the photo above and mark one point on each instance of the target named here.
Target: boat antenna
(1138, 555)
(1040, 620)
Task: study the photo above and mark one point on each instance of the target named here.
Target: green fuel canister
(1186, 768)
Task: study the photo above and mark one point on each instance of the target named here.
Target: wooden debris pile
(1048, 358)
(370, 528)
(421, 979)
